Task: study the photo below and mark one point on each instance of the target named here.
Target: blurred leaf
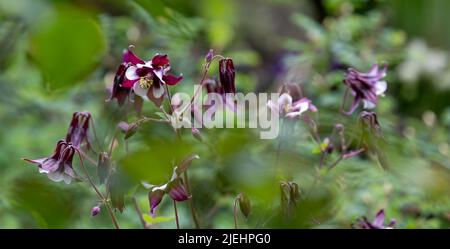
(67, 46)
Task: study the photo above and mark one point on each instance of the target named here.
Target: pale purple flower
(366, 87)
(377, 223)
(287, 108)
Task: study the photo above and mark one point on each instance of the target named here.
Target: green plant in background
(58, 57)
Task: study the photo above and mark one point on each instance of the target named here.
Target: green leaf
(67, 46)
(154, 220)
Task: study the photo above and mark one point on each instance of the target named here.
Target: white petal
(138, 90)
(285, 99)
(56, 176)
(67, 179)
(302, 107)
(158, 92)
(159, 73)
(368, 104)
(380, 87)
(131, 73)
(293, 114)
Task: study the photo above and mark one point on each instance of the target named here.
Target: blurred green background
(58, 57)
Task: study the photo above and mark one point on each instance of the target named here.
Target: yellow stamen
(145, 82)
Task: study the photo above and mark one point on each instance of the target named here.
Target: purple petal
(154, 198)
(130, 57)
(379, 219)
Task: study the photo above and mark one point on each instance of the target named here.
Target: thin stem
(176, 213)
(139, 212)
(235, 213)
(100, 195)
(191, 201)
(91, 160)
(100, 147)
(111, 144)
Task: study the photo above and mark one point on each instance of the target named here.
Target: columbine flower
(58, 166)
(147, 78)
(366, 87)
(378, 222)
(287, 108)
(174, 187)
(78, 129)
(227, 75)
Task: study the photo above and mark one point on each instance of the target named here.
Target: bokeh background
(57, 57)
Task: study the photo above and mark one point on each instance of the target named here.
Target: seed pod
(245, 204)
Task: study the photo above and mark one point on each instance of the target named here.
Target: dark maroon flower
(174, 188)
(58, 166)
(118, 91)
(95, 210)
(377, 223)
(227, 75)
(147, 78)
(78, 129)
(365, 87)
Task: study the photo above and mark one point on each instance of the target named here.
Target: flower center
(286, 108)
(145, 82)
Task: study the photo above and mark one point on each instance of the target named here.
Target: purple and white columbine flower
(286, 107)
(58, 166)
(365, 87)
(147, 78)
(377, 223)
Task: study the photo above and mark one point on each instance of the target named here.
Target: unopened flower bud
(245, 204)
(227, 75)
(128, 129)
(196, 134)
(95, 210)
(209, 56)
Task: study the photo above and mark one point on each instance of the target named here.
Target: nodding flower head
(286, 107)
(147, 78)
(377, 223)
(58, 166)
(174, 187)
(365, 87)
(95, 210)
(78, 131)
(227, 75)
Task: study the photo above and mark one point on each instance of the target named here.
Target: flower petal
(160, 61)
(177, 191)
(284, 99)
(380, 87)
(130, 57)
(158, 92)
(369, 104)
(155, 197)
(131, 74)
(138, 90)
(379, 219)
(171, 79)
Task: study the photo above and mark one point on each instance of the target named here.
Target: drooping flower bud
(95, 210)
(209, 56)
(227, 75)
(196, 134)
